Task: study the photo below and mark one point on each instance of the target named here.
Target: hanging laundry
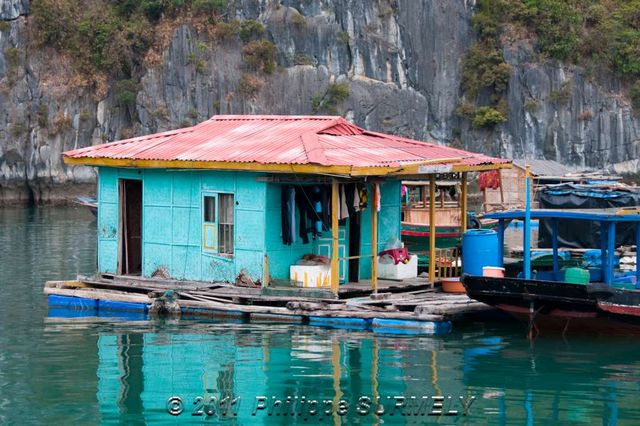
(285, 215)
(291, 210)
(325, 197)
(350, 191)
(362, 192)
(303, 205)
(344, 209)
(378, 197)
(356, 198)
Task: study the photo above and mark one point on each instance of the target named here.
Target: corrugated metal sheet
(324, 140)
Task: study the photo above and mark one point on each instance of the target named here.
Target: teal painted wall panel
(157, 224)
(249, 230)
(218, 269)
(108, 185)
(185, 262)
(156, 256)
(250, 194)
(218, 181)
(157, 187)
(186, 188)
(185, 227)
(252, 263)
(108, 221)
(108, 258)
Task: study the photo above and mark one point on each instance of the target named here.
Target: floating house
(241, 197)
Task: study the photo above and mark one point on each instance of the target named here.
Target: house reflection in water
(138, 372)
(510, 379)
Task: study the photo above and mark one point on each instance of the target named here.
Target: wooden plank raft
(415, 305)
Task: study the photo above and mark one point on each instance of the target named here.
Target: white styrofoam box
(400, 271)
(310, 275)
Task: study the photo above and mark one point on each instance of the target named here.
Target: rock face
(401, 60)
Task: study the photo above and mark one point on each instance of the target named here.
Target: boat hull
(551, 306)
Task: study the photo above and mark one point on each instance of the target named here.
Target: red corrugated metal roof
(274, 139)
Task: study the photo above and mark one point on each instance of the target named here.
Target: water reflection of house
(137, 373)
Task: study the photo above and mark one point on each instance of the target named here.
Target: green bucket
(577, 276)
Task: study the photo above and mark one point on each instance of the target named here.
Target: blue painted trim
(338, 322)
(554, 244)
(611, 252)
(393, 326)
(112, 305)
(526, 234)
(599, 215)
(501, 229)
(276, 318)
(637, 255)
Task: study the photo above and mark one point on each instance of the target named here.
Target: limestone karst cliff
(400, 61)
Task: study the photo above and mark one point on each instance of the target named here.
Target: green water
(56, 369)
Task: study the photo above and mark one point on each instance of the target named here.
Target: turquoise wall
(172, 224)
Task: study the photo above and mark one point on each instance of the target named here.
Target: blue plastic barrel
(479, 249)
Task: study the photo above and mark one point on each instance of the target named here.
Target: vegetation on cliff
(602, 36)
(111, 43)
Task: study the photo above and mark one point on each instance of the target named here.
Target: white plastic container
(310, 275)
(400, 271)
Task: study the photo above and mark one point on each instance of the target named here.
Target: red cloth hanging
(490, 180)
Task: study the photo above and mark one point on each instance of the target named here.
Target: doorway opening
(130, 196)
(354, 247)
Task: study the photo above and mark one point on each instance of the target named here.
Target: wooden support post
(432, 230)
(463, 203)
(265, 272)
(374, 238)
(335, 262)
(554, 245)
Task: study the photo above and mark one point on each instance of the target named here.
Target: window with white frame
(218, 226)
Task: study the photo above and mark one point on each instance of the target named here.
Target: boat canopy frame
(608, 218)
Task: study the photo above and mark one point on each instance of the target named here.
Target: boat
(415, 229)
(603, 300)
(89, 202)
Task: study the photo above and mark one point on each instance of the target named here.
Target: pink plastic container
(492, 271)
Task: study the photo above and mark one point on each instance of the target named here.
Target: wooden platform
(401, 305)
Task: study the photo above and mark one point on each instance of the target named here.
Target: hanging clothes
(362, 192)
(356, 198)
(350, 191)
(285, 215)
(344, 209)
(378, 197)
(291, 206)
(325, 197)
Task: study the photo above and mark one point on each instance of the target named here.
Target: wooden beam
(432, 230)
(374, 238)
(409, 169)
(463, 203)
(335, 262)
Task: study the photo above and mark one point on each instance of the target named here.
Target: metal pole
(554, 243)
(335, 274)
(526, 237)
(463, 203)
(374, 238)
(432, 230)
